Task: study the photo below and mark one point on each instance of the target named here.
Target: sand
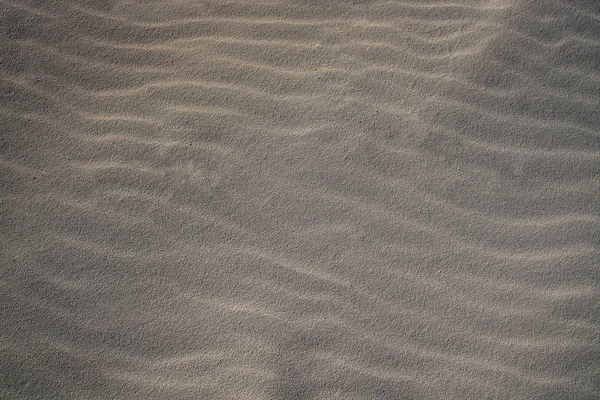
(296, 199)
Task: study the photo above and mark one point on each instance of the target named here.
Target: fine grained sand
(300, 199)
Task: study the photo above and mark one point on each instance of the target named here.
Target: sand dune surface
(289, 199)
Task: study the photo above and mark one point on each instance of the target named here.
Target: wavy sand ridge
(300, 200)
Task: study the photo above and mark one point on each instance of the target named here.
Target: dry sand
(300, 199)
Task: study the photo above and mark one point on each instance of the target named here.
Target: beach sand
(300, 199)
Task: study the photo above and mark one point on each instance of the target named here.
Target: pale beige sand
(300, 199)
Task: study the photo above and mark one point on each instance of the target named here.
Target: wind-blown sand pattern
(300, 199)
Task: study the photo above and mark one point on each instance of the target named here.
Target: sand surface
(297, 199)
